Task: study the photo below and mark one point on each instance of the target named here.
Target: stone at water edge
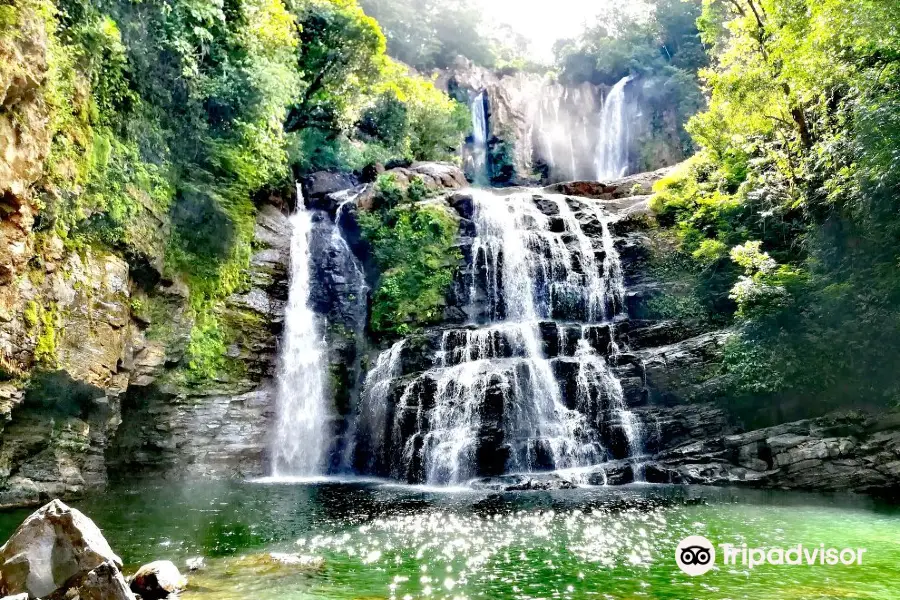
(195, 564)
(51, 547)
(297, 560)
(156, 580)
(278, 561)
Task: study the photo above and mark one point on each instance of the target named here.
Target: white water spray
(302, 437)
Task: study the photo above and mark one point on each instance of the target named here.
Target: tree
(341, 55)
(797, 172)
(430, 34)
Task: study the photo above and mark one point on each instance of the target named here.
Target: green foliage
(357, 106)
(692, 290)
(174, 109)
(388, 193)
(386, 120)
(674, 306)
(413, 246)
(206, 349)
(341, 55)
(433, 125)
(184, 111)
(42, 323)
(797, 178)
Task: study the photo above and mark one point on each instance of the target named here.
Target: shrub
(414, 248)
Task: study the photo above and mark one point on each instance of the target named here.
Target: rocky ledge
(853, 452)
(840, 452)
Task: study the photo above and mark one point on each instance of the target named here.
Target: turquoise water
(384, 541)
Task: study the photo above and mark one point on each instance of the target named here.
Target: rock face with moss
(220, 427)
(102, 349)
(24, 144)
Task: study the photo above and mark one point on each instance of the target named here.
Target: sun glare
(543, 24)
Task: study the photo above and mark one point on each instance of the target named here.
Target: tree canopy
(794, 194)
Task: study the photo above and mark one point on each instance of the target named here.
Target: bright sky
(545, 21)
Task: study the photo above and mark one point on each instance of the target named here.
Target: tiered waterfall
(527, 384)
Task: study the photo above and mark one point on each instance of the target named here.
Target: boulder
(103, 583)
(55, 545)
(159, 579)
(686, 370)
(319, 185)
(638, 185)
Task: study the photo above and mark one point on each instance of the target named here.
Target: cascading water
(479, 140)
(371, 427)
(614, 134)
(491, 401)
(302, 436)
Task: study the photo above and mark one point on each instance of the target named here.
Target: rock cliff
(93, 342)
(539, 129)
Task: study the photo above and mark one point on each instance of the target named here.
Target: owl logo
(695, 555)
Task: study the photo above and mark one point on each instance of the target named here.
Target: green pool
(385, 541)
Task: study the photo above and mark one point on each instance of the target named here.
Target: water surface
(386, 541)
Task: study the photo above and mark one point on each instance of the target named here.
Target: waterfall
(373, 421)
(479, 140)
(561, 116)
(529, 382)
(301, 437)
(614, 134)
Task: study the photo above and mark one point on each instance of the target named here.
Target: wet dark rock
(522, 483)
(319, 185)
(648, 334)
(103, 583)
(615, 472)
(686, 370)
(371, 172)
(463, 204)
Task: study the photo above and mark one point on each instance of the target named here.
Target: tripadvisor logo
(696, 555)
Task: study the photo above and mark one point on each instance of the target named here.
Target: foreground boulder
(103, 583)
(156, 580)
(56, 545)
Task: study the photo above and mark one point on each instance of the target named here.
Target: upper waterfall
(302, 437)
(479, 140)
(527, 128)
(614, 134)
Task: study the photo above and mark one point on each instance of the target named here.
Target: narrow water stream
(301, 435)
